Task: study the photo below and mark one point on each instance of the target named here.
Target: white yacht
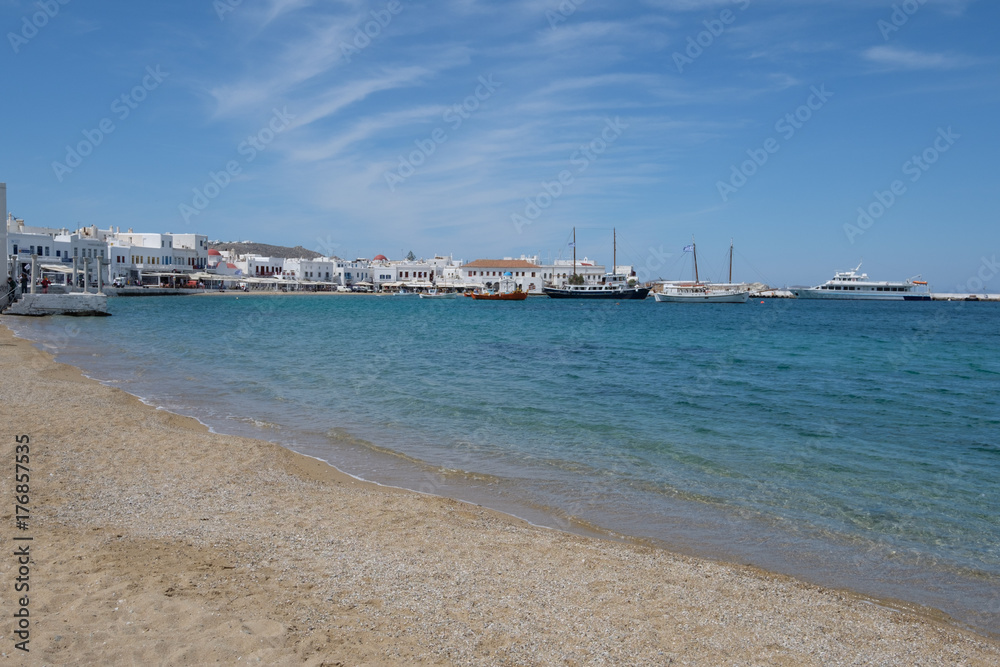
(854, 285)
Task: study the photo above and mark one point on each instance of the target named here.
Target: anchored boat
(612, 286)
(854, 285)
(699, 292)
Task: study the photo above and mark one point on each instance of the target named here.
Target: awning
(57, 268)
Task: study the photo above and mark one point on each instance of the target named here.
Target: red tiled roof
(501, 264)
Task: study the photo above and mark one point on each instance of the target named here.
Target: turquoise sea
(850, 444)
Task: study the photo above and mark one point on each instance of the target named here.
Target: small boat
(516, 295)
(437, 294)
(612, 286)
(698, 292)
(854, 285)
(507, 291)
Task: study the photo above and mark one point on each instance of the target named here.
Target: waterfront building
(257, 266)
(321, 269)
(487, 272)
(383, 272)
(352, 273)
(191, 251)
(558, 273)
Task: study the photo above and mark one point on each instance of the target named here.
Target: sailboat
(699, 292)
(612, 286)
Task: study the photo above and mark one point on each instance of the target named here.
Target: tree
(410, 256)
(576, 279)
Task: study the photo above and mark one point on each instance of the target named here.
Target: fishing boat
(516, 295)
(437, 294)
(854, 285)
(506, 291)
(612, 286)
(698, 292)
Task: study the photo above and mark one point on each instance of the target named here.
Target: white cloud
(895, 58)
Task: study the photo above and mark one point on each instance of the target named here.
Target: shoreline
(171, 517)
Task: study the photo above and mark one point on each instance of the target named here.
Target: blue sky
(491, 129)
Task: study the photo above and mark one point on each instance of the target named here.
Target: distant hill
(266, 250)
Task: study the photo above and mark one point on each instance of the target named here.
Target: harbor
(501, 334)
(110, 262)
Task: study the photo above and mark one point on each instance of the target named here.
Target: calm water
(851, 444)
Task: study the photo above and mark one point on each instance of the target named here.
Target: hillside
(266, 250)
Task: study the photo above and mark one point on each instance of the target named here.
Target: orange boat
(504, 291)
(516, 295)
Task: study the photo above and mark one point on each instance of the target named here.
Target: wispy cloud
(895, 58)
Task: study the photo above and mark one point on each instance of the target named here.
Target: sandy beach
(155, 541)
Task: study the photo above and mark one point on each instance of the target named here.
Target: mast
(574, 251)
(730, 261)
(694, 249)
(614, 251)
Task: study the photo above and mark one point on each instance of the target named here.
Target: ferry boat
(854, 285)
(612, 286)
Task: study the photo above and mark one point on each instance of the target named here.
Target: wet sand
(156, 541)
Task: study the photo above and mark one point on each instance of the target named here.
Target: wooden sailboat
(702, 293)
(612, 286)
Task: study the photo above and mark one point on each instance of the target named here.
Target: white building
(383, 272)
(559, 272)
(190, 251)
(487, 272)
(256, 266)
(349, 274)
(220, 263)
(321, 269)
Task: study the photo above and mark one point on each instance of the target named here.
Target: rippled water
(852, 444)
